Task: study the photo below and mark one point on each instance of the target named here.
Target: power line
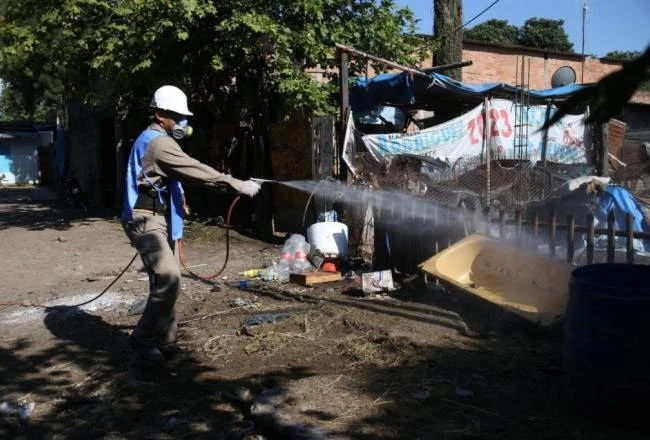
(478, 15)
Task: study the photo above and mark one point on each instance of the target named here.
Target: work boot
(147, 353)
(170, 350)
(137, 308)
(174, 352)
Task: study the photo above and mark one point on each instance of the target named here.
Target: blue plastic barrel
(606, 345)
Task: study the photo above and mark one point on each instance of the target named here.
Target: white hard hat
(171, 98)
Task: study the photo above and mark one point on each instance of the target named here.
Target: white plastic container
(330, 238)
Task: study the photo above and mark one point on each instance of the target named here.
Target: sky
(610, 25)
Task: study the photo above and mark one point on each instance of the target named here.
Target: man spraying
(153, 212)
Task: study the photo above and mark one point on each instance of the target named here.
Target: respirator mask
(182, 130)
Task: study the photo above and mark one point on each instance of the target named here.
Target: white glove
(249, 188)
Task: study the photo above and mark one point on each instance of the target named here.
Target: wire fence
(447, 197)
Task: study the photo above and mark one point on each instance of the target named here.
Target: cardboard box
(377, 281)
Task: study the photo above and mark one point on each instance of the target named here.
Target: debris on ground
(267, 412)
(263, 318)
(22, 408)
(242, 302)
(379, 281)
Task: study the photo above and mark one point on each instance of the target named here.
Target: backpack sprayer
(138, 307)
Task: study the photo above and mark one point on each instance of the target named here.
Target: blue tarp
(622, 202)
(6, 162)
(414, 91)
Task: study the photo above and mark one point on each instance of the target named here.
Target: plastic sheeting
(404, 90)
(622, 202)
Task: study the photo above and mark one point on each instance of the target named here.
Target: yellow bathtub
(529, 284)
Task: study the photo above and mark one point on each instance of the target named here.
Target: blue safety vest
(173, 187)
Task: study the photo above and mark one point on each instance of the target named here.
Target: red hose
(181, 257)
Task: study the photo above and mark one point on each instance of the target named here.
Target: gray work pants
(148, 233)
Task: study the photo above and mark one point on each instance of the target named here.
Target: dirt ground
(421, 362)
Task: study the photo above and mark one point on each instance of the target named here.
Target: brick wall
(497, 63)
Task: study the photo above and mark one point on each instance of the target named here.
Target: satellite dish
(563, 76)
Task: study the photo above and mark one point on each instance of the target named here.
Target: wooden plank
(615, 136)
(311, 278)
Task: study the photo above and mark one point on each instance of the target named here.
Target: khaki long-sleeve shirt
(164, 159)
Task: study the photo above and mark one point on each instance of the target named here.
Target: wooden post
(518, 226)
(629, 239)
(570, 239)
(345, 103)
(486, 142)
(425, 248)
(344, 49)
(448, 223)
(413, 241)
(604, 150)
(611, 220)
(552, 226)
(590, 238)
(545, 136)
(502, 224)
(450, 66)
(436, 230)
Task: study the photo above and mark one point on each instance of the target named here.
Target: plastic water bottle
(268, 274)
(251, 273)
(283, 266)
(300, 264)
(282, 271)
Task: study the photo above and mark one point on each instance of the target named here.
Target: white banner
(349, 145)
(463, 136)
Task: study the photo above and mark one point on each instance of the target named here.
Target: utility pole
(584, 15)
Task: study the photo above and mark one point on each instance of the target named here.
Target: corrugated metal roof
(18, 134)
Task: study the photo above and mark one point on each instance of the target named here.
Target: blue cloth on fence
(622, 202)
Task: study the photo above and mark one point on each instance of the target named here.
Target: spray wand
(260, 181)
(181, 255)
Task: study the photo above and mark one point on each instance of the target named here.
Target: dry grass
(372, 350)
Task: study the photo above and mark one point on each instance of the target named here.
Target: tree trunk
(447, 28)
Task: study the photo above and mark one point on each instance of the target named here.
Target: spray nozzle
(257, 180)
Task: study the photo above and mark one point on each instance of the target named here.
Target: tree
(541, 33)
(494, 31)
(45, 51)
(238, 59)
(448, 18)
(544, 33)
(623, 55)
(12, 106)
